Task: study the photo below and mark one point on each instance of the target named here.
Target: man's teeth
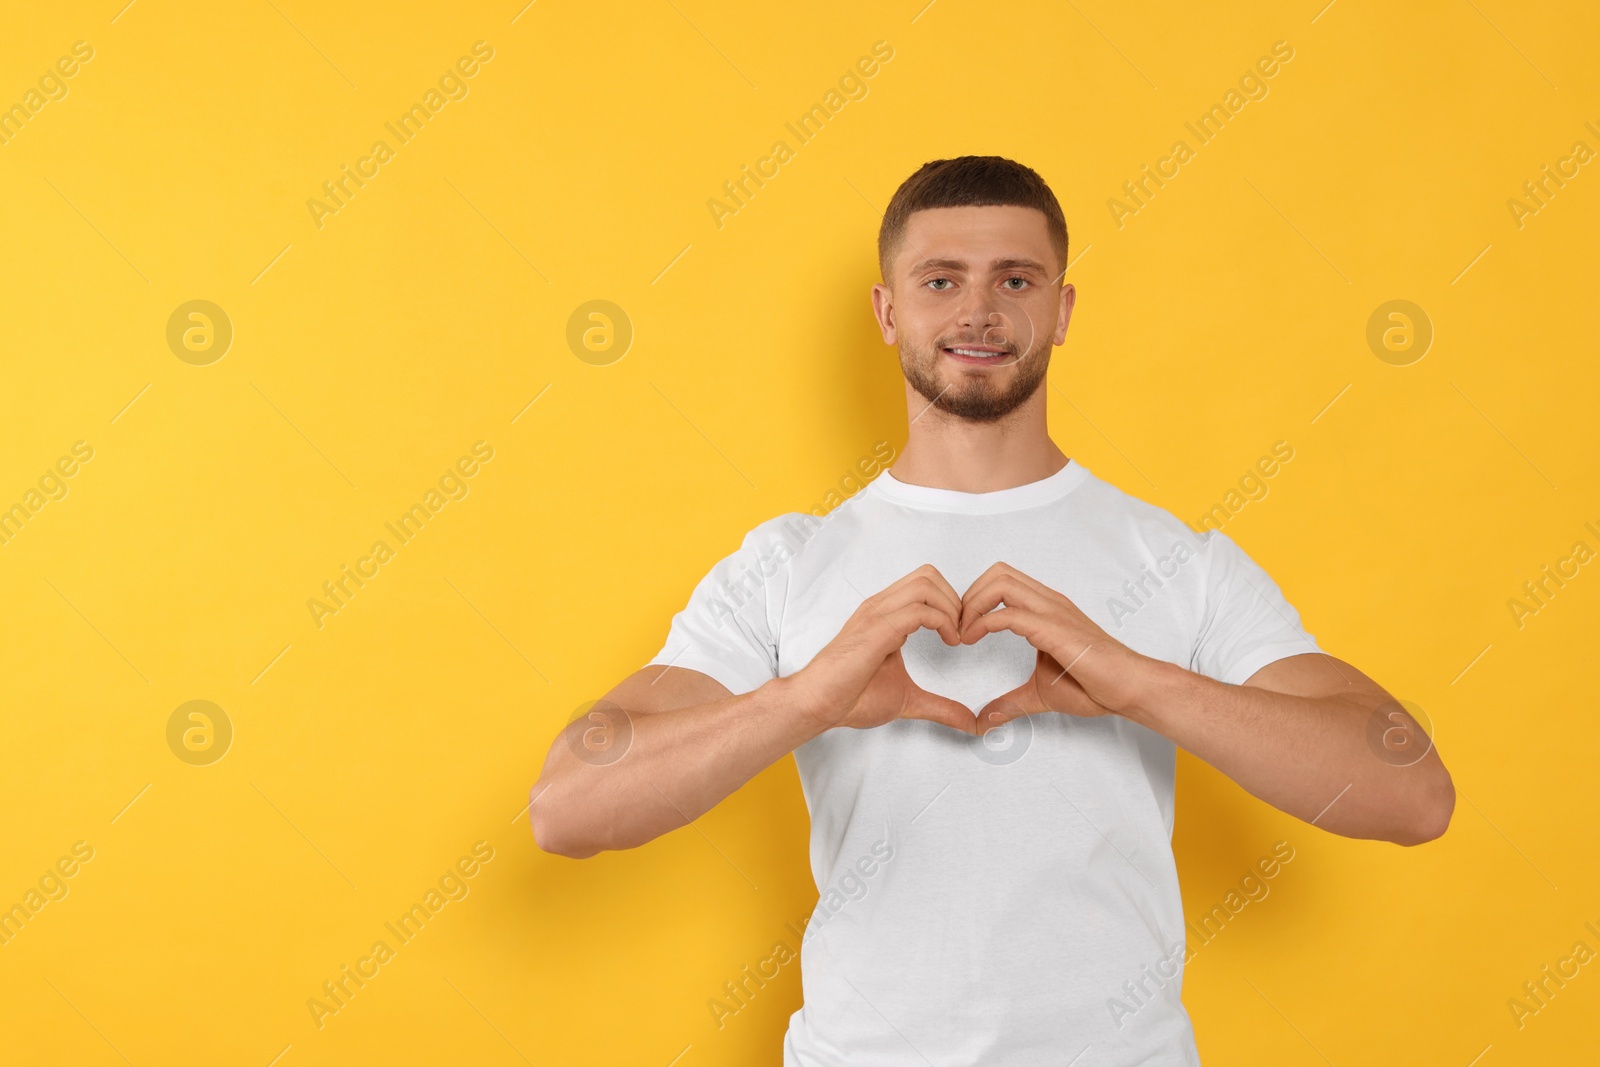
(975, 352)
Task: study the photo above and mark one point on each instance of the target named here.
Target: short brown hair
(969, 181)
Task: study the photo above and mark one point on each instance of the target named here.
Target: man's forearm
(678, 765)
(1308, 756)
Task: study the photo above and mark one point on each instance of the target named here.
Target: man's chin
(976, 402)
(984, 395)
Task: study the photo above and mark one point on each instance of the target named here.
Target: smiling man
(986, 741)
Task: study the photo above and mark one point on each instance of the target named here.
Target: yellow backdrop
(288, 281)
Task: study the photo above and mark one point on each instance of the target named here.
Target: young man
(983, 663)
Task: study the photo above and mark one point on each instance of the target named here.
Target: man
(983, 663)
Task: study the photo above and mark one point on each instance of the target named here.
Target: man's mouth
(980, 354)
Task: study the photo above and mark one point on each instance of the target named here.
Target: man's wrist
(794, 699)
(1161, 689)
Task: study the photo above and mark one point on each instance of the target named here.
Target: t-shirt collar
(1030, 494)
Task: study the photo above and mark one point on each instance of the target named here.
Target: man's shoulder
(1151, 522)
(793, 532)
(780, 532)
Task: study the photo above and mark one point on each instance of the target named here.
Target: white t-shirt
(1007, 900)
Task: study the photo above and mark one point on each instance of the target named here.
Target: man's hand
(1081, 670)
(859, 678)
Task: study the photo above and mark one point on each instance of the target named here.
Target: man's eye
(1018, 288)
(935, 283)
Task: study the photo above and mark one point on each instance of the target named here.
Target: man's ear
(1069, 297)
(883, 311)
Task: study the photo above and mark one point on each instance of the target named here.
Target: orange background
(371, 352)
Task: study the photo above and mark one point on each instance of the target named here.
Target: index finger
(999, 568)
(929, 571)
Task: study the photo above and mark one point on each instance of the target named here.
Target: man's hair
(969, 181)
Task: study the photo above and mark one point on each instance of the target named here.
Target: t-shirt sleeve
(1246, 622)
(728, 630)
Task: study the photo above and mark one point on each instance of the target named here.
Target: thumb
(921, 704)
(1023, 700)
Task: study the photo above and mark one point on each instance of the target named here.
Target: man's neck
(946, 452)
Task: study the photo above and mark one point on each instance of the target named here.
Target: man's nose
(978, 309)
(980, 312)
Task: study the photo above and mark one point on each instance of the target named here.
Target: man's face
(975, 307)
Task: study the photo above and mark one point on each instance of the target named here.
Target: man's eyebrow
(997, 265)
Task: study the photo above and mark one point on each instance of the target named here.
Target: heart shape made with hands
(1078, 668)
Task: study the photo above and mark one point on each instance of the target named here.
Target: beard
(973, 397)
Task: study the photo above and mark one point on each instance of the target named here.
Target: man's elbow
(553, 835)
(1433, 812)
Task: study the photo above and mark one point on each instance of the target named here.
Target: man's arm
(676, 741)
(1297, 734)
(1301, 735)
